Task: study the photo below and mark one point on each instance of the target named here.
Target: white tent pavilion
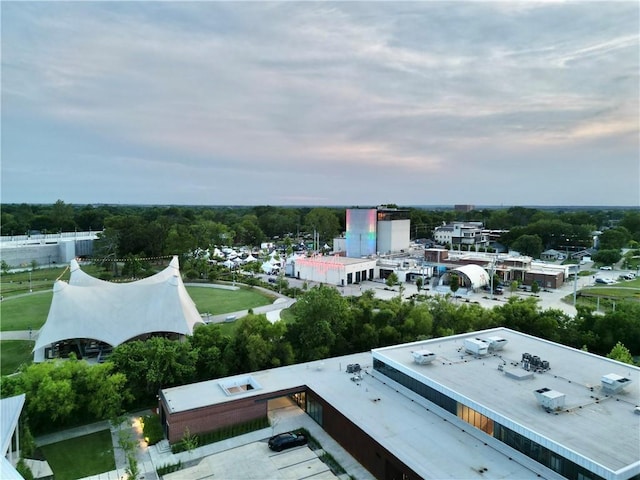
(92, 309)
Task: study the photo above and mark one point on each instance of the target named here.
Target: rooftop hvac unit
(475, 346)
(550, 400)
(495, 343)
(613, 383)
(423, 357)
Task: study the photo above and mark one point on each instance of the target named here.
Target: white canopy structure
(476, 275)
(250, 258)
(90, 308)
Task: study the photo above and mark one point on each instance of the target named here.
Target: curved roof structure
(113, 313)
(478, 276)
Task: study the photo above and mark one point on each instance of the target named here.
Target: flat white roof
(601, 428)
(400, 423)
(335, 259)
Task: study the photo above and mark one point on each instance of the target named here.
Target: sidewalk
(129, 428)
(150, 458)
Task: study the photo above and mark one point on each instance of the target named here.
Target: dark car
(287, 440)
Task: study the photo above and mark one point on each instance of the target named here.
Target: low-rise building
(488, 404)
(334, 270)
(463, 235)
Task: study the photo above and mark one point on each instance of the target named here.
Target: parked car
(606, 267)
(283, 441)
(601, 280)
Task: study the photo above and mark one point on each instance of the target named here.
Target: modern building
(462, 235)
(464, 207)
(394, 230)
(334, 270)
(373, 231)
(46, 249)
(488, 404)
(90, 316)
(361, 234)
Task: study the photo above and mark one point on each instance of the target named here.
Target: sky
(329, 103)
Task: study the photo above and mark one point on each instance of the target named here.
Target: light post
(30, 289)
(575, 283)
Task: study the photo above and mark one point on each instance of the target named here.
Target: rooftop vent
(550, 400)
(495, 343)
(423, 357)
(613, 383)
(476, 346)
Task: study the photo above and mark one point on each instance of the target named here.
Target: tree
(621, 353)
(321, 317)
(535, 287)
(61, 217)
(530, 245)
(418, 324)
(153, 364)
(419, 283)
(58, 393)
(454, 284)
(324, 221)
(607, 257)
(614, 238)
(391, 280)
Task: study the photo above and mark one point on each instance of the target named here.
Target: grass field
(24, 312)
(81, 457)
(14, 353)
(218, 301)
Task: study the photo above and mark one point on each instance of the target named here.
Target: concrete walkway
(130, 430)
(285, 417)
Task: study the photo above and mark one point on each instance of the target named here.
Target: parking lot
(256, 461)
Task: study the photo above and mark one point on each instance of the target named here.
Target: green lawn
(81, 457)
(41, 279)
(217, 301)
(14, 353)
(32, 310)
(24, 312)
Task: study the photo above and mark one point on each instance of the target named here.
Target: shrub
(222, 434)
(152, 429)
(169, 468)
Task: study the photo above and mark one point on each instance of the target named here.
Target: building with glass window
(373, 231)
(489, 404)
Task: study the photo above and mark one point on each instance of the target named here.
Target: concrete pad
(255, 461)
(290, 457)
(304, 469)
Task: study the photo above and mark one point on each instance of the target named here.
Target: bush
(152, 429)
(223, 433)
(24, 470)
(169, 468)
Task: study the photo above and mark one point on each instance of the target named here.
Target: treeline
(168, 230)
(324, 324)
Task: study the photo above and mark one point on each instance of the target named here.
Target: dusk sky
(304, 103)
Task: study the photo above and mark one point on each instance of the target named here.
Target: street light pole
(30, 289)
(575, 283)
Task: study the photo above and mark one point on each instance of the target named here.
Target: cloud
(394, 89)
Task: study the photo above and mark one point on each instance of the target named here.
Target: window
(475, 418)
(314, 409)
